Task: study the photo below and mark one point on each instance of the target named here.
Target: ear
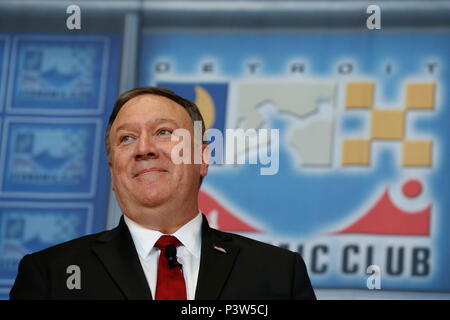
(206, 158)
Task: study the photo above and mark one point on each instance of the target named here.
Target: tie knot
(164, 241)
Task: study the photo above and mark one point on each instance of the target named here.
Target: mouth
(149, 170)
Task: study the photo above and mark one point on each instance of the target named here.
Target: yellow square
(420, 95)
(388, 124)
(359, 95)
(417, 153)
(356, 152)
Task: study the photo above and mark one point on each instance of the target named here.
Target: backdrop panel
(56, 92)
(363, 173)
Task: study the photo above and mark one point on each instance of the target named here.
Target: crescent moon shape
(206, 105)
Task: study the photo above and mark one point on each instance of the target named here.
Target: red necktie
(170, 284)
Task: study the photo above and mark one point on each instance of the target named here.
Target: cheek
(167, 149)
(117, 170)
(114, 179)
(188, 173)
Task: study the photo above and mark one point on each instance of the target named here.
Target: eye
(126, 138)
(164, 132)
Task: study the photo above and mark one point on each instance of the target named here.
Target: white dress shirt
(188, 254)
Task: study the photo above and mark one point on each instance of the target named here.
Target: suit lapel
(117, 252)
(216, 262)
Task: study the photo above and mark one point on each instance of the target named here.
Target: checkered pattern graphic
(67, 225)
(76, 142)
(83, 60)
(389, 125)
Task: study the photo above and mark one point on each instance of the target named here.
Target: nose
(146, 149)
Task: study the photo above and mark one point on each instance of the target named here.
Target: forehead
(148, 107)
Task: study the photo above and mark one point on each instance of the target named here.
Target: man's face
(142, 171)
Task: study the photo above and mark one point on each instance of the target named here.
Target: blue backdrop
(56, 95)
(390, 210)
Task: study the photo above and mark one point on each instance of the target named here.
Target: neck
(165, 219)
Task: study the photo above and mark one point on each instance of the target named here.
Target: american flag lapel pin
(220, 249)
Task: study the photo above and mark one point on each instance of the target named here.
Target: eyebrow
(126, 126)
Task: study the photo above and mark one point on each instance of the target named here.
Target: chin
(152, 200)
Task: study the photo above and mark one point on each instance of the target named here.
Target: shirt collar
(145, 239)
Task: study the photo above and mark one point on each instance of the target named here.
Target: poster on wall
(355, 174)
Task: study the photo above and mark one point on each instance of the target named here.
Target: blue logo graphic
(58, 76)
(36, 227)
(50, 158)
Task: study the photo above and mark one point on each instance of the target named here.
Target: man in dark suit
(163, 247)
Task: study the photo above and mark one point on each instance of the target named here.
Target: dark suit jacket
(110, 269)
